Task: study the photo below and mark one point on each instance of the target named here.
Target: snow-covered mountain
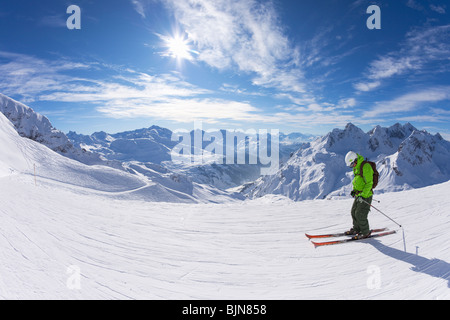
(144, 145)
(406, 158)
(154, 145)
(23, 157)
(37, 127)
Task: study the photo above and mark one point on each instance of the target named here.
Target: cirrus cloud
(409, 102)
(422, 48)
(242, 34)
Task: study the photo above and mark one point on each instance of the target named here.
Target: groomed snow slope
(57, 243)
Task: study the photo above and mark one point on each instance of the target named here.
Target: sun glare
(178, 47)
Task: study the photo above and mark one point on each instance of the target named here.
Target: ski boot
(351, 232)
(360, 236)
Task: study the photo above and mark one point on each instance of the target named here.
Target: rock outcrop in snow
(406, 158)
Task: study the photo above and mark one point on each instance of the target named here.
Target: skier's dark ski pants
(360, 212)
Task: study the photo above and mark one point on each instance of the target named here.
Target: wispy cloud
(124, 94)
(323, 49)
(131, 94)
(409, 102)
(130, 85)
(367, 86)
(54, 21)
(163, 97)
(28, 76)
(438, 9)
(242, 34)
(422, 47)
(139, 6)
(416, 5)
(312, 119)
(209, 110)
(347, 103)
(413, 4)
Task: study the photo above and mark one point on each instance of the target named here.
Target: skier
(362, 192)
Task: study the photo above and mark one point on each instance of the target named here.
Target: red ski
(333, 235)
(328, 243)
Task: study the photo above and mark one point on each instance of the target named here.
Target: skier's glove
(360, 199)
(353, 193)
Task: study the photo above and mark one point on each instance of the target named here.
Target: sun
(178, 47)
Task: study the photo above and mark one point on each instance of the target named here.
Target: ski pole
(381, 212)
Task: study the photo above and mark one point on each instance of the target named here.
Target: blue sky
(306, 66)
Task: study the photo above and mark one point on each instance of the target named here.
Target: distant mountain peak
(405, 156)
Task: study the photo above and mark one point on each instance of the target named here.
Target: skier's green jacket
(363, 184)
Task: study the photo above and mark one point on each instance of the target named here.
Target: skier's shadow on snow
(434, 267)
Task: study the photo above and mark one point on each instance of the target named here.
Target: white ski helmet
(350, 158)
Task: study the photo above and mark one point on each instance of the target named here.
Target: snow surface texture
(60, 244)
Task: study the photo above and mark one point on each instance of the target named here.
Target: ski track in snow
(256, 249)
